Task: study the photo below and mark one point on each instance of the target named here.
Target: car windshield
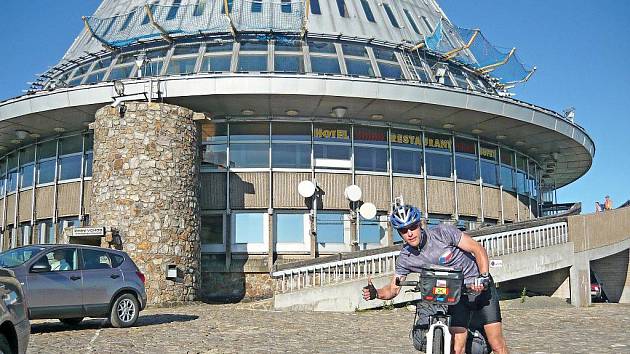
(16, 257)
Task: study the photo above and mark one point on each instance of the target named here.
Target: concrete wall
(601, 241)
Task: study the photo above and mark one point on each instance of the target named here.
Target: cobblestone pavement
(542, 327)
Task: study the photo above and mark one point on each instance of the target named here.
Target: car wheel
(73, 321)
(125, 311)
(5, 348)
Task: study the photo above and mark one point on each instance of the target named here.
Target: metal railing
(335, 272)
(319, 275)
(525, 239)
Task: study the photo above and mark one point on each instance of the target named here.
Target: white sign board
(496, 263)
(88, 231)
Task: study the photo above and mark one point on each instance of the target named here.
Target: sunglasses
(404, 230)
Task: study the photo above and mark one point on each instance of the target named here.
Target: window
(466, 159)
(200, 7)
(330, 227)
(172, 11)
(406, 152)
(249, 232)
(256, 6)
(27, 167)
(45, 231)
(354, 50)
(332, 146)
(355, 65)
(370, 231)
(249, 145)
(184, 60)
(248, 62)
(12, 173)
(289, 64)
(367, 10)
(218, 57)
(46, 161)
(211, 233)
(156, 60)
(3, 178)
(341, 6)
(426, 23)
(70, 157)
(411, 21)
(60, 260)
(359, 67)
(488, 155)
(229, 4)
(26, 233)
(390, 14)
(291, 145)
(123, 67)
(212, 229)
(288, 57)
(325, 65)
(127, 21)
(418, 66)
(214, 145)
(438, 154)
(390, 71)
(315, 9)
(89, 155)
(321, 47)
(99, 70)
(96, 259)
(370, 149)
(507, 162)
(285, 6)
(290, 228)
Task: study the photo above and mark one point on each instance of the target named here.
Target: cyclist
(447, 246)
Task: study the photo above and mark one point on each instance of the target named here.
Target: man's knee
(459, 339)
(494, 333)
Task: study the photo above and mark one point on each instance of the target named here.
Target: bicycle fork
(443, 323)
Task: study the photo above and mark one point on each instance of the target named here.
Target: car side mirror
(40, 268)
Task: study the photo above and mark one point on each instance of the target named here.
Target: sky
(580, 47)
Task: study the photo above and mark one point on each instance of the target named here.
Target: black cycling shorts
(483, 307)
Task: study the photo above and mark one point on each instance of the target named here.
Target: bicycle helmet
(403, 216)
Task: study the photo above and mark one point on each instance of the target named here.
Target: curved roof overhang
(564, 148)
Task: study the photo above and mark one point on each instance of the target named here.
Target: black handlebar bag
(440, 285)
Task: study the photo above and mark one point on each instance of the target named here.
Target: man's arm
(387, 292)
(467, 244)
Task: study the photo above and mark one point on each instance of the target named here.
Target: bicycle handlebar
(465, 288)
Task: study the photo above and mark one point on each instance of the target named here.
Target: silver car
(14, 325)
(70, 282)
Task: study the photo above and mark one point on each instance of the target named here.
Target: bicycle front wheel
(438, 341)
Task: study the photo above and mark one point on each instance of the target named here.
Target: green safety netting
(206, 16)
(500, 63)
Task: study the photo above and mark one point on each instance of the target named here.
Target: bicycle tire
(438, 341)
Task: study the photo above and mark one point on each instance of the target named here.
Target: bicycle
(443, 286)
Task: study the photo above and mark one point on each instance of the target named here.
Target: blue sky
(580, 47)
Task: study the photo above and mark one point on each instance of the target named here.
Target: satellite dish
(306, 189)
(367, 210)
(353, 193)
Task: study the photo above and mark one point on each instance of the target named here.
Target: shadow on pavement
(97, 323)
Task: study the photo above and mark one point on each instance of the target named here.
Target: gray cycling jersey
(439, 248)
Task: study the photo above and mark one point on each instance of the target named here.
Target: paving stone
(254, 328)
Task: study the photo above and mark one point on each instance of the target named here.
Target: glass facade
(38, 164)
(361, 148)
(333, 57)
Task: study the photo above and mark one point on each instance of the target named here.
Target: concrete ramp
(340, 297)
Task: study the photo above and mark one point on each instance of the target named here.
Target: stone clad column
(145, 187)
